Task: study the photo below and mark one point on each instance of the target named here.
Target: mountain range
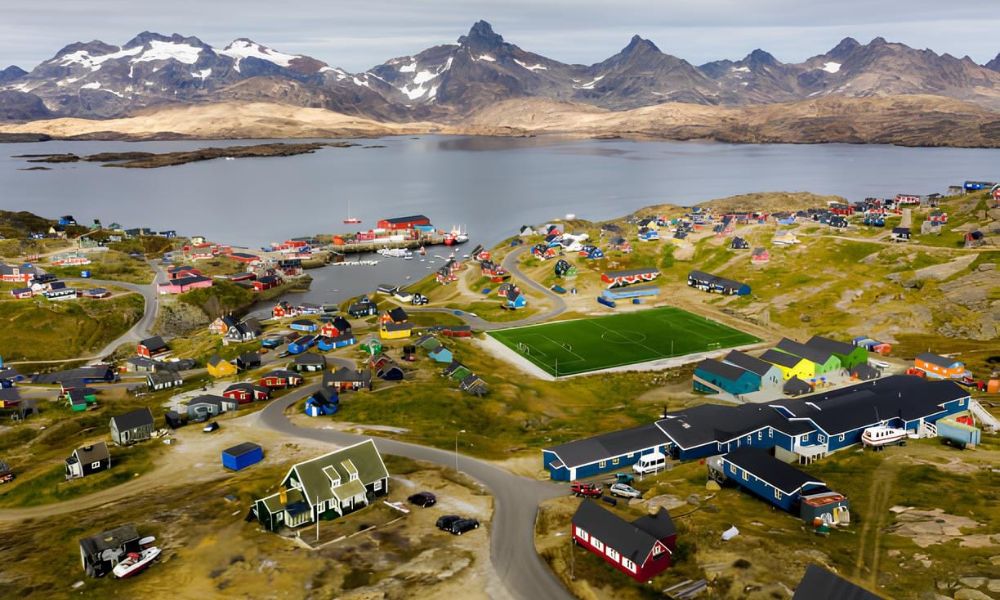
(459, 82)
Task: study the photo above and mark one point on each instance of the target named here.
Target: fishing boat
(883, 435)
(350, 220)
(136, 562)
(455, 236)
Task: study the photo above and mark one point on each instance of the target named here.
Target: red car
(586, 490)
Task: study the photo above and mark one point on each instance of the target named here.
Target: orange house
(940, 367)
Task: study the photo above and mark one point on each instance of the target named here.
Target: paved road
(510, 263)
(516, 500)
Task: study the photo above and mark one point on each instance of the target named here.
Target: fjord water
(490, 186)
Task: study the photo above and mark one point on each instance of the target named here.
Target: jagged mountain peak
(760, 58)
(846, 46)
(481, 36)
(639, 44)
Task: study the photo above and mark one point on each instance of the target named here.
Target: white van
(650, 463)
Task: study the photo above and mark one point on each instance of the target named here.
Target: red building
(641, 549)
(403, 223)
(615, 279)
(152, 347)
(246, 392)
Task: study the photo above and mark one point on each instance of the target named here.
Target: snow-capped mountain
(95, 79)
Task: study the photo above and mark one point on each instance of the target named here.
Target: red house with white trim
(614, 279)
(403, 223)
(641, 549)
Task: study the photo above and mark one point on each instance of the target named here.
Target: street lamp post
(456, 449)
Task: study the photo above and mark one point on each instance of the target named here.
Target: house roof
(632, 272)
(708, 278)
(163, 377)
(864, 371)
(812, 353)
(820, 584)
(240, 449)
(749, 363)
(92, 372)
(130, 420)
(218, 401)
(215, 360)
(310, 358)
(783, 359)
(249, 358)
(397, 326)
(634, 540)
(109, 540)
(830, 346)
(711, 423)
(772, 471)
(730, 372)
(796, 387)
(398, 220)
(608, 445)
(937, 359)
(346, 375)
(93, 453)
(398, 314)
(364, 457)
(154, 343)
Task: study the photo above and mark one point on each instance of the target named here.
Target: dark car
(462, 525)
(445, 522)
(210, 427)
(423, 499)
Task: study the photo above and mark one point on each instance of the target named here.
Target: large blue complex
(803, 429)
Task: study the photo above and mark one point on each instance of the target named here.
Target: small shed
(242, 456)
(796, 387)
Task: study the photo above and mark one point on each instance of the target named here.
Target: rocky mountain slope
(451, 81)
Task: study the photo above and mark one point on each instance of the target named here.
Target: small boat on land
(136, 562)
(881, 436)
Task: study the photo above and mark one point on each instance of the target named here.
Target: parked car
(623, 490)
(423, 499)
(210, 427)
(444, 523)
(650, 463)
(626, 478)
(586, 490)
(462, 525)
(881, 364)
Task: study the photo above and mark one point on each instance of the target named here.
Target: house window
(95, 465)
(614, 461)
(961, 402)
(628, 565)
(580, 533)
(760, 435)
(841, 438)
(602, 464)
(612, 554)
(378, 485)
(744, 474)
(770, 433)
(630, 455)
(597, 544)
(821, 439)
(777, 494)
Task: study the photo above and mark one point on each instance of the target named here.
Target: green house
(80, 398)
(825, 361)
(372, 346)
(850, 355)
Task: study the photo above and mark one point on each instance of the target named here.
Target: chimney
(283, 495)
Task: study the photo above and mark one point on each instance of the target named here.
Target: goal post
(714, 345)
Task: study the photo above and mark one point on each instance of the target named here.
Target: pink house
(185, 284)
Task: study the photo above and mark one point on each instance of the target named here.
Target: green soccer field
(582, 345)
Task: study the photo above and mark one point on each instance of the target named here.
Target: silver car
(625, 491)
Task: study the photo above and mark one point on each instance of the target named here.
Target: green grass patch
(583, 345)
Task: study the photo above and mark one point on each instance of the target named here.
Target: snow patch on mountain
(486, 57)
(94, 85)
(84, 58)
(831, 67)
(538, 67)
(590, 84)
(158, 50)
(202, 74)
(410, 68)
(243, 48)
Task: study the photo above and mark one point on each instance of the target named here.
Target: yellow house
(395, 331)
(217, 367)
(791, 366)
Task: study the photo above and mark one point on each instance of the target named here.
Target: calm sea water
(490, 186)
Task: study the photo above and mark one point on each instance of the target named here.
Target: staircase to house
(927, 430)
(985, 418)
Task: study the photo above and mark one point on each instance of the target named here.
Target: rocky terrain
(152, 160)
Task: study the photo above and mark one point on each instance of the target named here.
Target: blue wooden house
(516, 300)
(301, 344)
(441, 355)
(602, 454)
(304, 325)
(784, 486)
(324, 402)
(770, 377)
(332, 343)
(712, 376)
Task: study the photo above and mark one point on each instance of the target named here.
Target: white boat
(136, 562)
(883, 435)
(396, 253)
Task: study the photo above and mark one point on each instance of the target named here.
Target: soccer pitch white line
(533, 349)
(655, 353)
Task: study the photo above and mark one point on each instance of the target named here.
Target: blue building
(769, 375)
(712, 376)
(631, 292)
(242, 456)
(441, 355)
(804, 429)
(332, 343)
(324, 402)
(604, 453)
(782, 485)
(301, 344)
(304, 325)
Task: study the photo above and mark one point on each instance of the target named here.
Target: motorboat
(136, 562)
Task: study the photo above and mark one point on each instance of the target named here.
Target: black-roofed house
(100, 553)
(152, 347)
(820, 584)
(796, 387)
(309, 362)
(248, 361)
(849, 355)
(707, 282)
(325, 487)
(642, 549)
(132, 427)
(769, 375)
(344, 378)
(712, 376)
(603, 453)
(164, 380)
(245, 331)
(88, 460)
(91, 374)
(803, 430)
(784, 486)
(474, 384)
(209, 405)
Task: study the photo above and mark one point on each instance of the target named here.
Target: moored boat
(136, 562)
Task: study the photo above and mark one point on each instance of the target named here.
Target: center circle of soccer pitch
(623, 337)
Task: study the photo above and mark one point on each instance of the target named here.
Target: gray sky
(359, 34)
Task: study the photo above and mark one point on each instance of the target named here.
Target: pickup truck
(586, 490)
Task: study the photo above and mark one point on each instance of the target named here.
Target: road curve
(511, 265)
(516, 500)
(144, 327)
